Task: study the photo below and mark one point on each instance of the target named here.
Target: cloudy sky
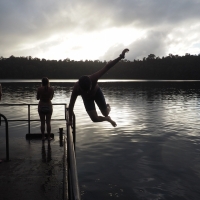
(98, 29)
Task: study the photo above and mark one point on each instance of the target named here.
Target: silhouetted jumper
(90, 92)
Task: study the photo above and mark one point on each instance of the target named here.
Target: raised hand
(122, 55)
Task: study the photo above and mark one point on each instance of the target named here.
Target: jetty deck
(37, 170)
(34, 171)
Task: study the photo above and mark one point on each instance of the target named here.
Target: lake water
(153, 153)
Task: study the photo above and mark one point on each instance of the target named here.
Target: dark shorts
(45, 109)
(98, 98)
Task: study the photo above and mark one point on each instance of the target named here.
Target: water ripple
(154, 151)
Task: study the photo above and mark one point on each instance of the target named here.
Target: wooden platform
(34, 172)
(37, 135)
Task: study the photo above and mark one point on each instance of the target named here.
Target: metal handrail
(73, 186)
(7, 137)
(31, 120)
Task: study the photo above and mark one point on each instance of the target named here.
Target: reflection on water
(46, 154)
(154, 151)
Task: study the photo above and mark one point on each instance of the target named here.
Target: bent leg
(106, 111)
(95, 118)
(101, 102)
(90, 108)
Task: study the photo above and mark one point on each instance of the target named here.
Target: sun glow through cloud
(85, 30)
(89, 45)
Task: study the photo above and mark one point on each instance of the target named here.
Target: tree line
(171, 67)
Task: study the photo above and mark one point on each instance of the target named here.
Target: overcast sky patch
(54, 29)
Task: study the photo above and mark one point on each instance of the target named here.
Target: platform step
(37, 136)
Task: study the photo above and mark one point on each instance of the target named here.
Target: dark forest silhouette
(167, 68)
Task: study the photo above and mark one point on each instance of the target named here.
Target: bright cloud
(86, 29)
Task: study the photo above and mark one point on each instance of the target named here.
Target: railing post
(7, 138)
(74, 131)
(72, 169)
(61, 136)
(29, 124)
(65, 107)
(61, 133)
(73, 186)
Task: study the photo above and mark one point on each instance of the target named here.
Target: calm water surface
(153, 153)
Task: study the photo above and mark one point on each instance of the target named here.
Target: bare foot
(111, 121)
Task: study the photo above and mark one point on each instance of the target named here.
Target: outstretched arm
(109, 65)
(71, 104)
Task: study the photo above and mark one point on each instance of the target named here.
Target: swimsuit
(45, 96)
(98, 98)
(45, 109)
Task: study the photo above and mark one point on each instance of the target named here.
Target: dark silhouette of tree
(151, 56)
(150, 67)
